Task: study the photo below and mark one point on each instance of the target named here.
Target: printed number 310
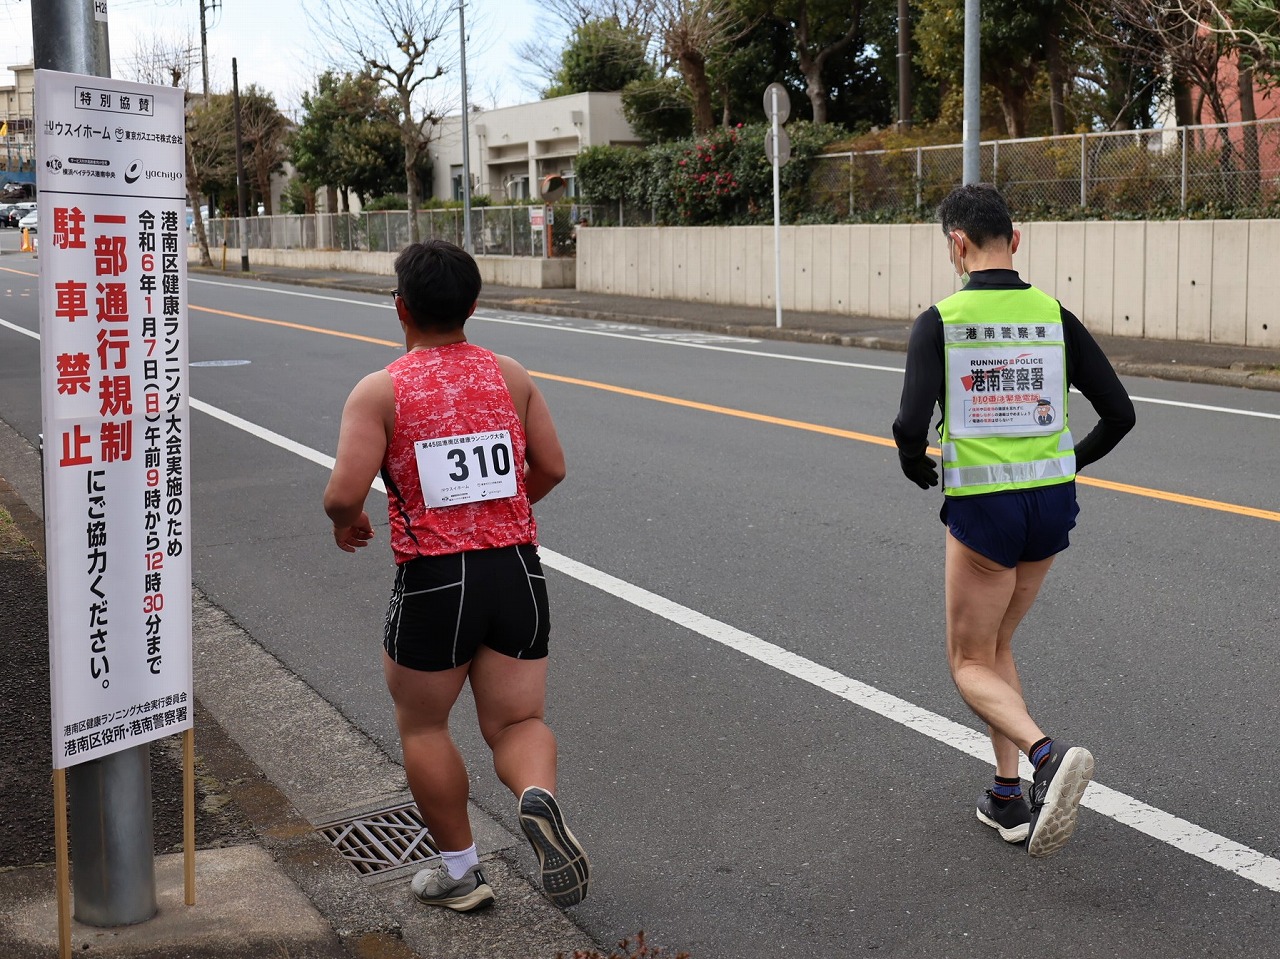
(498, 458)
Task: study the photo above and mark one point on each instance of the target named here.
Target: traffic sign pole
(111, 829)
(777, 210)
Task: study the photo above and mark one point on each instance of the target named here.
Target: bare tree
(540, 61)
(1168, 34)
(266, 130)
(691, 33)
(821, 29)
(399, 42)
(160, 60)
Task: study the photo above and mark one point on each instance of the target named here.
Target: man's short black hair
(979, 210)
(439, 283)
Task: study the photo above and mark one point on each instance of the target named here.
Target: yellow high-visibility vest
(1005, 369)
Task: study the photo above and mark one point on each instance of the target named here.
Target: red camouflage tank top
(448, 391)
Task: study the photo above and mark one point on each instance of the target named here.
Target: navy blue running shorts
(443, 608)
(1018, 526)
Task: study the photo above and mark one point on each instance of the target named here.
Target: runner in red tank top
(465, 444)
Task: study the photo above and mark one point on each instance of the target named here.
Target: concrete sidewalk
(1240, 366)
(274, 761)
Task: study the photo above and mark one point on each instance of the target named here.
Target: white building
(513, 148)
(17, 108)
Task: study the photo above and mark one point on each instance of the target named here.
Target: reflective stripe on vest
(1004, 366)
(1011, 475)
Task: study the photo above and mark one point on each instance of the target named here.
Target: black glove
(921, 470)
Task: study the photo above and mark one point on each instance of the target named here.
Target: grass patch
(12, 542)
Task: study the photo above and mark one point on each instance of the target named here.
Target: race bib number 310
(466, 469)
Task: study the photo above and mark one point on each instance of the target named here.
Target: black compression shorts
(443, 608)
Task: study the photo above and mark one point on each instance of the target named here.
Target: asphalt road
(759, 741)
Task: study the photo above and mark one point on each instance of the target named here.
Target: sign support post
(777, 148)
(72, 36)
(115, 416)
(777, 210)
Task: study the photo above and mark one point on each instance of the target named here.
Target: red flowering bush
(706, 188)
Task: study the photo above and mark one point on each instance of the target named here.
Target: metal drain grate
(380, 841)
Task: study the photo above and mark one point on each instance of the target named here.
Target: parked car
(19, 211)
(5, 210)
(28, 222)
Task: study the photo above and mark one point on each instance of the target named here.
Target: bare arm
(544, 457)
(362, 442)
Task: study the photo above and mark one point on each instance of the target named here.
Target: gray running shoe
(435, 887)
(1012, 819)
(565, 869)
(1056, 792)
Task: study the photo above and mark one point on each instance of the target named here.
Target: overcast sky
(277, 48)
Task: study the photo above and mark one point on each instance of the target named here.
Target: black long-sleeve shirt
(1087, 369)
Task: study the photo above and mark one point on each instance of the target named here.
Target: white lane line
(20, 329)
(309, 296)
(487, 316)
(1182, 835)
(1201, 406)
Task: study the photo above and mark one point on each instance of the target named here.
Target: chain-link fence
(1218, 170)
(495, 231)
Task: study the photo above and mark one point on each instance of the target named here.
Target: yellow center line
(297, 326)
(722, 410)
(1144, 491)
(1156, 494)
(5, 269)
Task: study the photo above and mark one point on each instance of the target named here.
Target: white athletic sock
(459, 862)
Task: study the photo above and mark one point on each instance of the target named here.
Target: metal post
(242, 188)
(995, 164)
(777, 212)
(1186, 135)
(1084, 169)
(107, 886)
(972, 128)
(904, 66)
(110, 826)
(466, 136)
(919, 176)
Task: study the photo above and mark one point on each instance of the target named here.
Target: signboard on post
(777, 149)
(111, 171)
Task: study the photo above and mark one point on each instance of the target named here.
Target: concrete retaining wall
(1208, 281)
(525, 271)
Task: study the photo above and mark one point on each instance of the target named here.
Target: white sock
(459, 862)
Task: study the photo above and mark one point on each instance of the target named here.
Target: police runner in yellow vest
(998, 358)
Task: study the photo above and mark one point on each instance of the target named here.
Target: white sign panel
(466, 469)
(114, 388)
(1006, 391)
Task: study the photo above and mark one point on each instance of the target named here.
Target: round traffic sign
(783, 147)
(784, 102)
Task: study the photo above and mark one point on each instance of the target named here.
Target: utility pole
(204, 51)
(972, 129)
(110, 825)
(466, 137)
(904, 66)
(242, 188)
